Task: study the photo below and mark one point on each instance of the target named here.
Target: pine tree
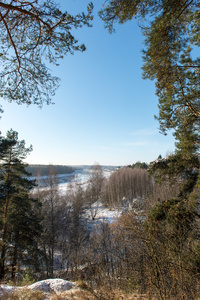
(171, 31)
(20, 225)
(33, 32)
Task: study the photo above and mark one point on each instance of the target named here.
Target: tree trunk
(3, 249)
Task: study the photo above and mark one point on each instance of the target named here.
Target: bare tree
(94, 189)
(125, 185)
(49, 198)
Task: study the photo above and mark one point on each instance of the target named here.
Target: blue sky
(104, 110)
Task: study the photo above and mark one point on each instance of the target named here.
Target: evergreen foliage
(32, 32)
(173, 248)
(171, 30)
(139, 165)
(171, 59)
(19, 223)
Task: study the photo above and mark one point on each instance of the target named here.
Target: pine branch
(14, 46)
(25, 12)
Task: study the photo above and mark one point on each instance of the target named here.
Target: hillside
(55, 289)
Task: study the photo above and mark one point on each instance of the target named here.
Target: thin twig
(14, 46)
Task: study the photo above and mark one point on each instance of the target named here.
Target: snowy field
(98, 213)
(75, 179)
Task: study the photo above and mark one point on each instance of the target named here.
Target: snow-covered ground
(77, 178)
(99, 213)
(80, 179)
(47, 286)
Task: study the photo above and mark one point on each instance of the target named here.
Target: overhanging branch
(25, 12)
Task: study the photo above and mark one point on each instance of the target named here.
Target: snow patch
(47, 286)
(6, 289)
(52, 285)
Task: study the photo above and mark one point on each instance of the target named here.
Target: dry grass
(82, 291)
(74, 294)
(24, 294)
(118, 295)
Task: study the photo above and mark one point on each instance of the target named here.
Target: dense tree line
(42, 170)
(125, 185)
(139, 165)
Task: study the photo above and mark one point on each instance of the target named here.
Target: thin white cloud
(137, 144)
(144, 132)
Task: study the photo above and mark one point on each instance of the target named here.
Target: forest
(152, 245)
(42, 170)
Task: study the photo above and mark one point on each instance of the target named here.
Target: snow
(47, 286)
(97, 213)
(6, 289)
(81, 179)
(78, 178)
(101, 214)
(64, 187)
(52, 285)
